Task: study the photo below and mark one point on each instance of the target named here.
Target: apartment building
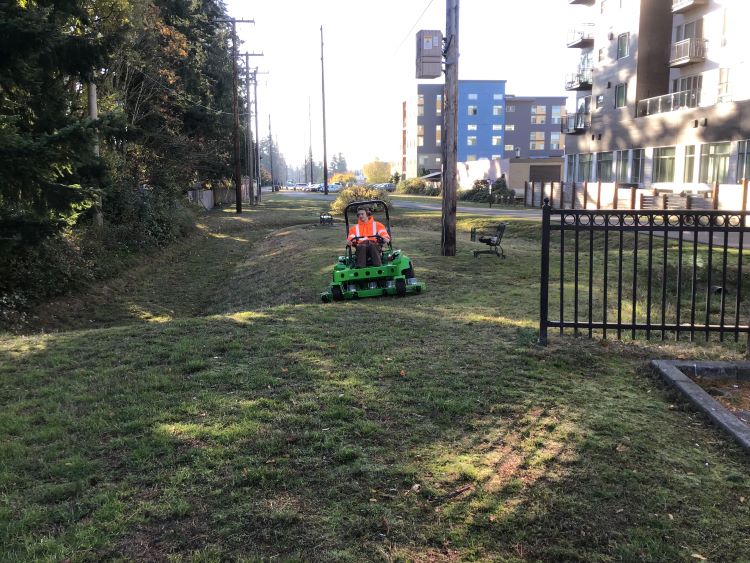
(491, 125)
(662, 94)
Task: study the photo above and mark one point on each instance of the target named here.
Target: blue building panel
(481, 117)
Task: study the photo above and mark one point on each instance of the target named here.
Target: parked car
(387, 187)
(334, 187)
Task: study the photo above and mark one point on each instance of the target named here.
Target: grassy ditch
(206, 406)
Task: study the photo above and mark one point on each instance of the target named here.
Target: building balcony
(580, 80)
(582, 37)
(680, 6)
(687, 51)
(584, 2)
(575, 124)
(669, 102)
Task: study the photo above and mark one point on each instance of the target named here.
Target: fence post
(573, 191)
(744, 194)
(544, 281)
(526, 193)
(551, 193)
(715, 195)
(664, 201)
(585, 194)
(562, 194)
(599, 194)
(633, 191)
(614, 197)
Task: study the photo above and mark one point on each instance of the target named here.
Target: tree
(337, 164)
(377, 172)
(344, 178)
(396, 178)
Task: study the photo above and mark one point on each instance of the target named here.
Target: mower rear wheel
(400, 288)
(338, 295)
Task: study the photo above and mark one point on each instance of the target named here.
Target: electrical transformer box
(429, 53)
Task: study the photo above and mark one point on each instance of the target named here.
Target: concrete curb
(671, 372)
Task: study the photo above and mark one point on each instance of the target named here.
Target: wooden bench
(492, 237)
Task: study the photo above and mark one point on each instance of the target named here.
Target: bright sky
(369, 49)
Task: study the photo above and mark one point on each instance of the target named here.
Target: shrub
(417, 186)
(480, 192)
(357, 193)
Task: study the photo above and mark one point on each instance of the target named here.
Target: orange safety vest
(368, 229)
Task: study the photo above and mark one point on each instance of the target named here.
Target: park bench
(492, 237)
(326, 218)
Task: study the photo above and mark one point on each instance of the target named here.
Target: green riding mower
(394, 277)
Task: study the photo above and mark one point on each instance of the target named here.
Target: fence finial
(546, 202)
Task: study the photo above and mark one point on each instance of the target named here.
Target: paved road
(520, 212)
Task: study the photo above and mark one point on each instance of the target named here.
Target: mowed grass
(207, 407)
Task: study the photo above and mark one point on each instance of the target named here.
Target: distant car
(334, 187)
(387, 187)
(300, 186)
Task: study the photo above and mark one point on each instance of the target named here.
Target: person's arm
(383, 232)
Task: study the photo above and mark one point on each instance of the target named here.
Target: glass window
(472, 96)
(599, 100)
(439, 105)
(510, 127)
(570, 173)
(510, 109)
(557, 113)
(471, 127)
(471, 157)
(471, 140)
(510, 148)
(539, 115)
(497, 127)
(536, 141)
(621, 166)
(420, 105)
(438, 135)
(689, 163)
(621, 95)
(636, 174)
(420, 135)
(723, 84)
(497, 96)
(743, 160)
(496, 140)
(604, 166)
(497, 110)
(623, 45)
(584, 168)
(602, 53)
(496, 156)
(472, 110)
(554, 141)
(664, 164)
(714, 164)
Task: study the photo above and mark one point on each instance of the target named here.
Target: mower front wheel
(400, 288)
(338, 295)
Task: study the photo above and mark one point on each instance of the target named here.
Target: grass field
(205, 406)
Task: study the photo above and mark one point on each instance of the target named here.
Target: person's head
(363, 213)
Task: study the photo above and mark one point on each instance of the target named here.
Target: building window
(536, 141)
(497, 110)
(599, 100)
(439, 105)
(557, 112)
(539, 115)
(621, 166)
(471, 127)
(604, 166)
(636, 174)
(496, 140)
(472, 96)
(497, 127)
(724, 85)
(438, 135)
(686, 83)
(471, 157)
(623, 45)
(472, 110)
(420, 135)
(420, 105)
(570, 173)
(621, 95)
(664, 164)
(497, 96)
(437, 159)
(554, 141)
(743, 160)
(496, 156)
(471, 140)
(510, 109)
(510, 127)
(584, 168)
(602, 53)
(509, 148)
(714, 162)
(689, 163)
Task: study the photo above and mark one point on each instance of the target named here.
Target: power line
(408, 33)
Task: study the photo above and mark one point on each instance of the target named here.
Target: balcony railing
(669, 102)
(585, 2)
(687, 51)
(575, 124)
(581, 37)
(679, 6)
(580, 80)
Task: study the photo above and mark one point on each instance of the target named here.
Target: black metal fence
(664, 273)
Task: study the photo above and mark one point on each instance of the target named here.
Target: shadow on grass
(273, 434)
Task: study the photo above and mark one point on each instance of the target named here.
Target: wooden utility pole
(236, 112)
(323, 86)
(450, 124)
(270, 153)
(249, 143)
(256, 195)
(309, 123)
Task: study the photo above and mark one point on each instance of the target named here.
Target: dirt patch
(731, 392)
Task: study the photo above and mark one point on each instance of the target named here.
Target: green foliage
(480, 192)
(396, 178)
(357, 193)
(417, 186)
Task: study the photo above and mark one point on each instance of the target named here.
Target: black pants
(365, 249)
